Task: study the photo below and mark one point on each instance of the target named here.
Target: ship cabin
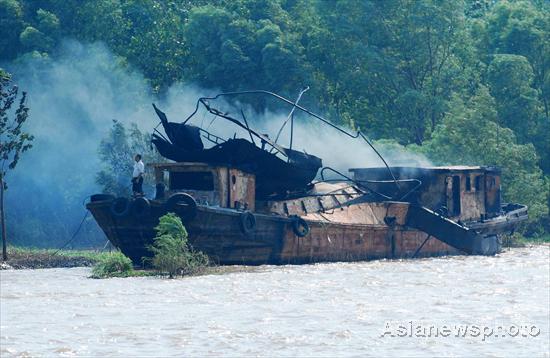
(465, 193)
(212, 185)
(233, 188)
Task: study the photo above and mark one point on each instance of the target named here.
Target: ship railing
(211, 137)
(364, 184)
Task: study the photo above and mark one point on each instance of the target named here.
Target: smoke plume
(73, 98)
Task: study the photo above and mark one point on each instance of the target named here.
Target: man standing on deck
(137, 176)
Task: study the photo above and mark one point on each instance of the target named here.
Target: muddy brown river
(452, 306)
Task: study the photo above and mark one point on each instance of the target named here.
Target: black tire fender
(101, 197)
(182, 204)
(141, 207)
(247, 222)
(300, 226)
(120, 207)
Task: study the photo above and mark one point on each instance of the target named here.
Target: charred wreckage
(252, 201)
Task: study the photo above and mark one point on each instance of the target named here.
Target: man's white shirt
(139, 168)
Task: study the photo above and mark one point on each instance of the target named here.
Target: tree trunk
(3, 220)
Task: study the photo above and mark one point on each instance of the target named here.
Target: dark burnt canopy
(279, 170)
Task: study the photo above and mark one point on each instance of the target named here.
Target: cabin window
(478, 182)
(468, 184)
(191, 181)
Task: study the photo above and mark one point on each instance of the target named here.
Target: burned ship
(253, 201)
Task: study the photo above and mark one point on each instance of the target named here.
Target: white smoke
(310, 135)
(73, 99)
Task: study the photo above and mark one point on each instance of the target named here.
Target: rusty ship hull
(250, 200)
(218, 233)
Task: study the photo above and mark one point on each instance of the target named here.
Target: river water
(377, 308)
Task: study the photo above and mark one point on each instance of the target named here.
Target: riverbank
(20, 258)
(517, 240)
(31, 258)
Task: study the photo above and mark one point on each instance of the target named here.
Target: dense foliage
(115, 264)
(463, 81)
(172, 254)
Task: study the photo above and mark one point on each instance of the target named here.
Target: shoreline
(22, 258)
(32, 259)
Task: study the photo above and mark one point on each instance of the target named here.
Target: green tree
(157, 43)
(47, 22)
(172, 253)
(247, 44)
(33, 39)
(510, 78)
(14, 141)
(148, 33)
(11, 24)
(394, 64)
(522, 28)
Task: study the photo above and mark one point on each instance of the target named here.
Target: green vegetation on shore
(172, 254)
(115, 264)
(33, 258)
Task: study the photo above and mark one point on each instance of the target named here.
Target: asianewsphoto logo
(422, 330)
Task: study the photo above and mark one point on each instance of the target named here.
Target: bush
(172, 253)
(113, 265)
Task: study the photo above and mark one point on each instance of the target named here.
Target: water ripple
(333, 309)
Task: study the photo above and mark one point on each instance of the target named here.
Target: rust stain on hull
(217, 232)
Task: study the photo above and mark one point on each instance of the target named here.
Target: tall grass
(114, 264)
(32, 251)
